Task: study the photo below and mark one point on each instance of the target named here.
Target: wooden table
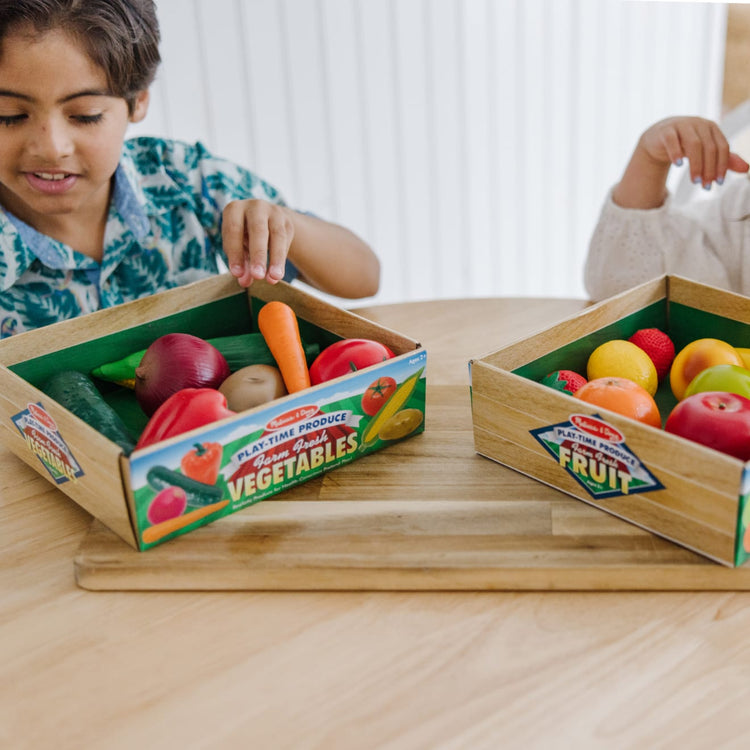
(356, 669)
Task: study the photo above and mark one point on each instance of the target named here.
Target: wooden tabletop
(364, 669)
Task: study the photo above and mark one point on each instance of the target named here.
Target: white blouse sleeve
(702, 240)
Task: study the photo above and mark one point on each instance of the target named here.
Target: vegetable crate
(259, 452)
(673, 487)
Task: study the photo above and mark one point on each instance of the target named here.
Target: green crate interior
(224, 317)
(682, 323)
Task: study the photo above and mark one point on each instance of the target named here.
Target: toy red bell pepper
(183, 411)
(203, 462)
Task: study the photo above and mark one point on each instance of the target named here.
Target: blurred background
(470, 142)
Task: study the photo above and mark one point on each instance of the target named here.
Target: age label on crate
(595, 454)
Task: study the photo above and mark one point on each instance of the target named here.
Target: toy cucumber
(198, 493)
(78, 394)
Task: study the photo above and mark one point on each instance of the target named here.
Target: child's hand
(696, 139)
(257, 236)
(670, 141)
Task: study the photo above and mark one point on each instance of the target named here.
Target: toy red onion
(176, 361)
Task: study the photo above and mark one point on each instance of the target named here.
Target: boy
(89, 220)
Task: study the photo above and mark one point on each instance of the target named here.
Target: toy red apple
(716, 419)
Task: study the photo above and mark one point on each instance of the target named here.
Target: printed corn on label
(265, 451)
(595, 454)
(43, 439)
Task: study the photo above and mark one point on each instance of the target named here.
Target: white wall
(471, 142)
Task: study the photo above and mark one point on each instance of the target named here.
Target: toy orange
(623, 396)
(697, 356)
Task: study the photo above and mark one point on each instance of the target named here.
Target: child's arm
(641, 234)
(259, 236)
(670, 141)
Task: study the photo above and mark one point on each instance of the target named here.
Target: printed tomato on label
(377, 393)
(347, 356)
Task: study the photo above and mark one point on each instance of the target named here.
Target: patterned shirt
(163, 230)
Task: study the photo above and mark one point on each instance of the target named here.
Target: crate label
(595, 454)
(292, 445)
(43, 439)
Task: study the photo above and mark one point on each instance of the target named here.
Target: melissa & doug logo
(594, 453)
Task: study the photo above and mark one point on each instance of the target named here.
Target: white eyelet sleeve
(705, 240)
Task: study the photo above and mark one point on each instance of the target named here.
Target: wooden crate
(670, 486)
(113, 487)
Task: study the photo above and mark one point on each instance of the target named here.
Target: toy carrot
(158, 531)
(278, 324)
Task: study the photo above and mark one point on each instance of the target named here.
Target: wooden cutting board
(425, 514)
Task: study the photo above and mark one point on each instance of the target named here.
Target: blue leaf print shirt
(163, 230)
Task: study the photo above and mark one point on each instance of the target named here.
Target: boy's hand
(696, 139)
(257, 236)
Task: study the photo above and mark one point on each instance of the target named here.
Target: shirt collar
(129, 200)
(21, 244)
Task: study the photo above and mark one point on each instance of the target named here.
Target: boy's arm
(333, 259)
(259, 236)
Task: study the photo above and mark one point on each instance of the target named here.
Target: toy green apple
(716, 419)
(729, 378)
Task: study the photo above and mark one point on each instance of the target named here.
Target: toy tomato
(377, 393)
(203, 462)
(346, 356)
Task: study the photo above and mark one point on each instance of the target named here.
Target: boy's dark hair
(120, 36)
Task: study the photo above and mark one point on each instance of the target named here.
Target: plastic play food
(622, 396)
(184, 411)
(745, 354)
(280, 328)
(658, 346)
(347, 356)
(252, 386)
(715, 419)
(728, 378)
(564, 380)
(173, 362)
(697, 356)
(623, 359)
(78, 394)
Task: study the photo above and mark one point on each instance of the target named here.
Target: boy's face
(61, 132)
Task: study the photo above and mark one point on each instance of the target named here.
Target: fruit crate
(673, 487)
(264, 450)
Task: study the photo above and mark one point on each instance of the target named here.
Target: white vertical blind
(471, 142)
